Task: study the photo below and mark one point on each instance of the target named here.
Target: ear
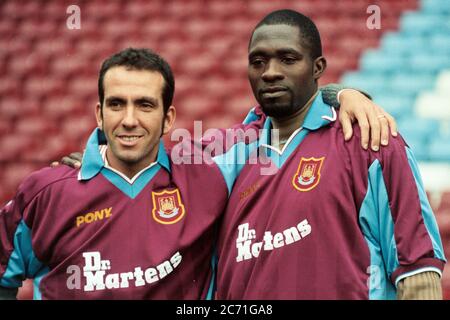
(99, 115)
(320, 64)
(169, 119)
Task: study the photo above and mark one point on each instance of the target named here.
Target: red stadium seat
(201, 65)
(143, 10)
(58, 107)
(52, 47)
(83, 86)
(160, 27)
(236, 67)
(6, 126)
(75, 128)
(13, 107)
(17, 46)
(331, 76)
(6, 28)
(45, 151)
(184, 9)
(310, 8)
(69, 65)
(446, 283)
(216, 84)
(15, 173)
(53, 10)
(13, 145)
(341, 62)
(118, 29)
(226, 9)
(196, 106)
(39, 87)
(26, 65)
(102, 10)
(35, 126)
(11, 8)
(239, 105)
(242, 26)
(443, 221)
(220, 122)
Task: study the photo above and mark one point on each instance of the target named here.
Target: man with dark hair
(293, 97)
(334, 221)
(309, 35)
(140, 59)
(130, 224)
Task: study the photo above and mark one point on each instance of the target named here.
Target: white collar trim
(103, 149)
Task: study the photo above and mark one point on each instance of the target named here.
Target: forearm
(330, 93)
(422, 286)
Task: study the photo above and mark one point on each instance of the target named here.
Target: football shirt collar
(93, 163)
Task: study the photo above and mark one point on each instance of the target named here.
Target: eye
(289, 60)
(115, 104)
(257, 62)
(146, 106)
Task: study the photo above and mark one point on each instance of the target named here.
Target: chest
(312, 194)
(161, 220)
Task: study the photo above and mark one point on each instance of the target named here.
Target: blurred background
(48, 72)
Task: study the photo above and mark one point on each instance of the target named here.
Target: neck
(286, 126)
(129, 170)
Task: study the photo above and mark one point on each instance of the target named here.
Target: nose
(272, 72)
(130, 120)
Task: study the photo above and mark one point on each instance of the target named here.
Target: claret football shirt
(95, 234)
(328, 221)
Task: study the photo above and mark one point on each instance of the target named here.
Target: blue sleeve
(398, 223)
(22, 262)
(243, 145)
(378, 229)
(231, 162)
(18, 260)
(427, 212)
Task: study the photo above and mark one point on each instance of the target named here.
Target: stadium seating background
(48, 73)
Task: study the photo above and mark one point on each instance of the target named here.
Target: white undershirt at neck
(103, 149)
(276, 146)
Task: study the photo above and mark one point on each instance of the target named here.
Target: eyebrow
(260, 52)
(256, 53)
(139, 100)
(111, 99)
(148, 99)
(289, 51)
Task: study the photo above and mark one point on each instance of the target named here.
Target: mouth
(129, 140)
(273, 92)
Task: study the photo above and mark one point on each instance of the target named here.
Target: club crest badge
(167, 206)
(307, 176)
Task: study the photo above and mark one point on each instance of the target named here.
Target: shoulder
(200, 165)
(197, 171)
(43, 179)
(397, 145)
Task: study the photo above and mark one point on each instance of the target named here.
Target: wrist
(343, 93)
